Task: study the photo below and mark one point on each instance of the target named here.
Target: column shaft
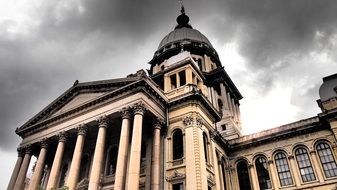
(122, 153)
(96, 170)
(316, 166)
(19, 183)
(273, 174)
(36, 179)
(253, 176)
(155, 174)
(294, 171)
(136, 144)
(16, 170)
(55, 170)
(76, 160)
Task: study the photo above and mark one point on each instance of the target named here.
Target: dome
(184, 34)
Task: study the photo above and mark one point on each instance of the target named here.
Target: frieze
(175, 176)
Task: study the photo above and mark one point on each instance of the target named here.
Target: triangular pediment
(77, 101)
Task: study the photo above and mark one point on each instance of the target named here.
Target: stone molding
(139, 108)
(103, 121)
(211, 180)
(44, 143)
(63, 135)
(125, 113)
(82, 129)
(175, 176)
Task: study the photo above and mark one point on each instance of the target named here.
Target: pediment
(77, 101)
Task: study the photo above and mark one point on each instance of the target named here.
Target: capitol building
(174, 126)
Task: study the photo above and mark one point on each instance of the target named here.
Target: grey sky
(284, 47)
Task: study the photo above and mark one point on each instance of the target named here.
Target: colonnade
(124, 161)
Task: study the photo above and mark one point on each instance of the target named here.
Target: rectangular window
(182, 77)
(173, 81)
(177, 186)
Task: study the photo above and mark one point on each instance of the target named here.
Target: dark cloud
(90, 40)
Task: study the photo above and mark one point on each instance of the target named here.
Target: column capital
(82, 129)
(250, 166)
(28, 149)
(125, 113)
(44, 143)
(102, 121)
(158, 123)
(62, 136)
(139, 108)
(21, 151)
(291, 157)
(270, 161)
(312, 152)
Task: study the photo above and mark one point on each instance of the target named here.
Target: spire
(182, 19)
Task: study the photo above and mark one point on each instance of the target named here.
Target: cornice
(142, 85)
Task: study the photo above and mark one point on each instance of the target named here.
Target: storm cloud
(283, 44)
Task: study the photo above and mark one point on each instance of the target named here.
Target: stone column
(136, 144)
(316, 166)
(76, 160)
(16, 169)
(294, 171)
(36, 179)
(229, 104)
(96, 169)
(155, 168)
(273, 174)
(224, 96)
(123, 151)
(253, 176)
(55, 170)
(23, 169)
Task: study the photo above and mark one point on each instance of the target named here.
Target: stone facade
(177, 127)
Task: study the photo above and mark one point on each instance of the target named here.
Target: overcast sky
(275, 51)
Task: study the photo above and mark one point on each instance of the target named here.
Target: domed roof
(184, 33)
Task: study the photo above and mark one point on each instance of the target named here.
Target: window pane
(304, 165)
(327, 160)
(262, 173)
(242, 171)
(283, 169)
(177, 144)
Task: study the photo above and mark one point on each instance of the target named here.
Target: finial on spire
(182, 19)
(182, 7)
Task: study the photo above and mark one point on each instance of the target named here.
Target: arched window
(283, 169)
(111, 160)
(243, 175)
(327, 160)
(205, 140)
(304, 165)
(262, 173)
(177, 144)
(63, 175)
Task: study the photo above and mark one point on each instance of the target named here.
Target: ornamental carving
(188, 120)
(28, 149)
(125, 113)
(102, 121)
(21, 151)
(62, 136)
(210, 179)
(82, 129)
(44, 143)
(191, 120)
(175, 176)
(139, 108)
(158, 123)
